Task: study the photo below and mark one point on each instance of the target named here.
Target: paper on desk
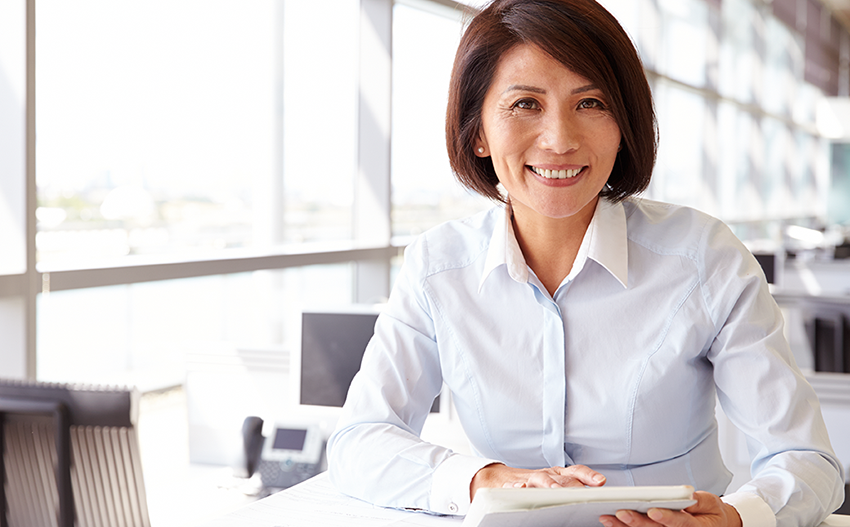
(315, 503)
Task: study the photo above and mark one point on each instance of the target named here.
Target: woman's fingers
(572, 476)
(500, 475)
(708, 511)
(585, 475)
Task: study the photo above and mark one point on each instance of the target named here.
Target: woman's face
(550, 135)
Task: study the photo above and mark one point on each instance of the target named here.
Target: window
(191, 155)
(424, 191)
(140, 334)
(683, 160)
(729, 145)
(12, 133)
(202, 151)
(193, 126)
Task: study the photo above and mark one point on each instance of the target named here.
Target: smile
(556, 174)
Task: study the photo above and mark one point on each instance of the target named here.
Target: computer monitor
(332, 347)
(768, 262)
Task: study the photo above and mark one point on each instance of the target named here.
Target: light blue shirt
(663, 312)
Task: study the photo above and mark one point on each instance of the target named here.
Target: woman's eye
(526, 104)
(591, 103)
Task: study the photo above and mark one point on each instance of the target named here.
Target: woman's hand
(708, 511)
(499, 475)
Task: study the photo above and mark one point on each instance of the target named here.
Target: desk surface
(315, 503)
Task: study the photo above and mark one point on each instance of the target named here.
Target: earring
(480, 149)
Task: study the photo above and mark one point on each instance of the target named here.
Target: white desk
(315, 503)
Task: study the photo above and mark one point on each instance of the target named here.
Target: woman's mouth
(556, 174)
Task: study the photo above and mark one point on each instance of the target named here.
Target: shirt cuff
(754, 511)
(450, 483)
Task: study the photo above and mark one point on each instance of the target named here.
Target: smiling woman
(534, 133)
(614, 70)
(553, 143)
(534, 313)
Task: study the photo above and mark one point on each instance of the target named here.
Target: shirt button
(452, 507)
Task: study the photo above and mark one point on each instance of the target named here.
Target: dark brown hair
(585, 38)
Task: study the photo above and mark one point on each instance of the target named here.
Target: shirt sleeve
(375, 453)
(754, 511)
(794, 469)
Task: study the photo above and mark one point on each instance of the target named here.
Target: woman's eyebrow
(583, 89)
(523, 87)
(534, 89)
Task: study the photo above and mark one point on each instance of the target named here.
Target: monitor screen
(767, 261)
(332, 346)
(289, 439)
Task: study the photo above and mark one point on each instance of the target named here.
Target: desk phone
(290, 455)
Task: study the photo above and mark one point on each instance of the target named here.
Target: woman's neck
(550, 245)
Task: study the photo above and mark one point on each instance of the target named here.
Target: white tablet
(569, 506)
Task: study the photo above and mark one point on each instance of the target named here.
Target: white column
(15, 331)
(372, 205)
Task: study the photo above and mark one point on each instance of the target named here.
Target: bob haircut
(584, 37)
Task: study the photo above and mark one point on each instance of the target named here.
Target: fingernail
(655, 514)
(624, 516)
(606, 522)
(599, 478)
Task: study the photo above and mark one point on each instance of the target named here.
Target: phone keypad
(284, 474)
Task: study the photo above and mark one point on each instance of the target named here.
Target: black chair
(70, 457)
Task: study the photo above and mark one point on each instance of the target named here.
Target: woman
(584, 333)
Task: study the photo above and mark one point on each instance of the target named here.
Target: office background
(180, 179)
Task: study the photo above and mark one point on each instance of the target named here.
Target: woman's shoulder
(671, 227)
(455, 243)
(659, 212)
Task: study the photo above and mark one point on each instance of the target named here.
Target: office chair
(70, 457)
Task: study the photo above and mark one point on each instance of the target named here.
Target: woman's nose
(560, 135)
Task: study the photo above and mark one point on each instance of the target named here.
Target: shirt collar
(606, 242)
(609, 245)
(504, 250)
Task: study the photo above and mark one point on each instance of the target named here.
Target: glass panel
(726, 161)
(740, 63)
(680, 173)
(140, 334)
(161, 128)
(13, 329)
(424, 191)
(749, 170)
(775, 188)
(741, 155)
(649, 35)
(627, 13)
(804, 110)
(12, 136)
(839, 195)
(685, 40)
(783, 68)
(320, 118)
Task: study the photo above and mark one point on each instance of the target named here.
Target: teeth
(556, 174)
